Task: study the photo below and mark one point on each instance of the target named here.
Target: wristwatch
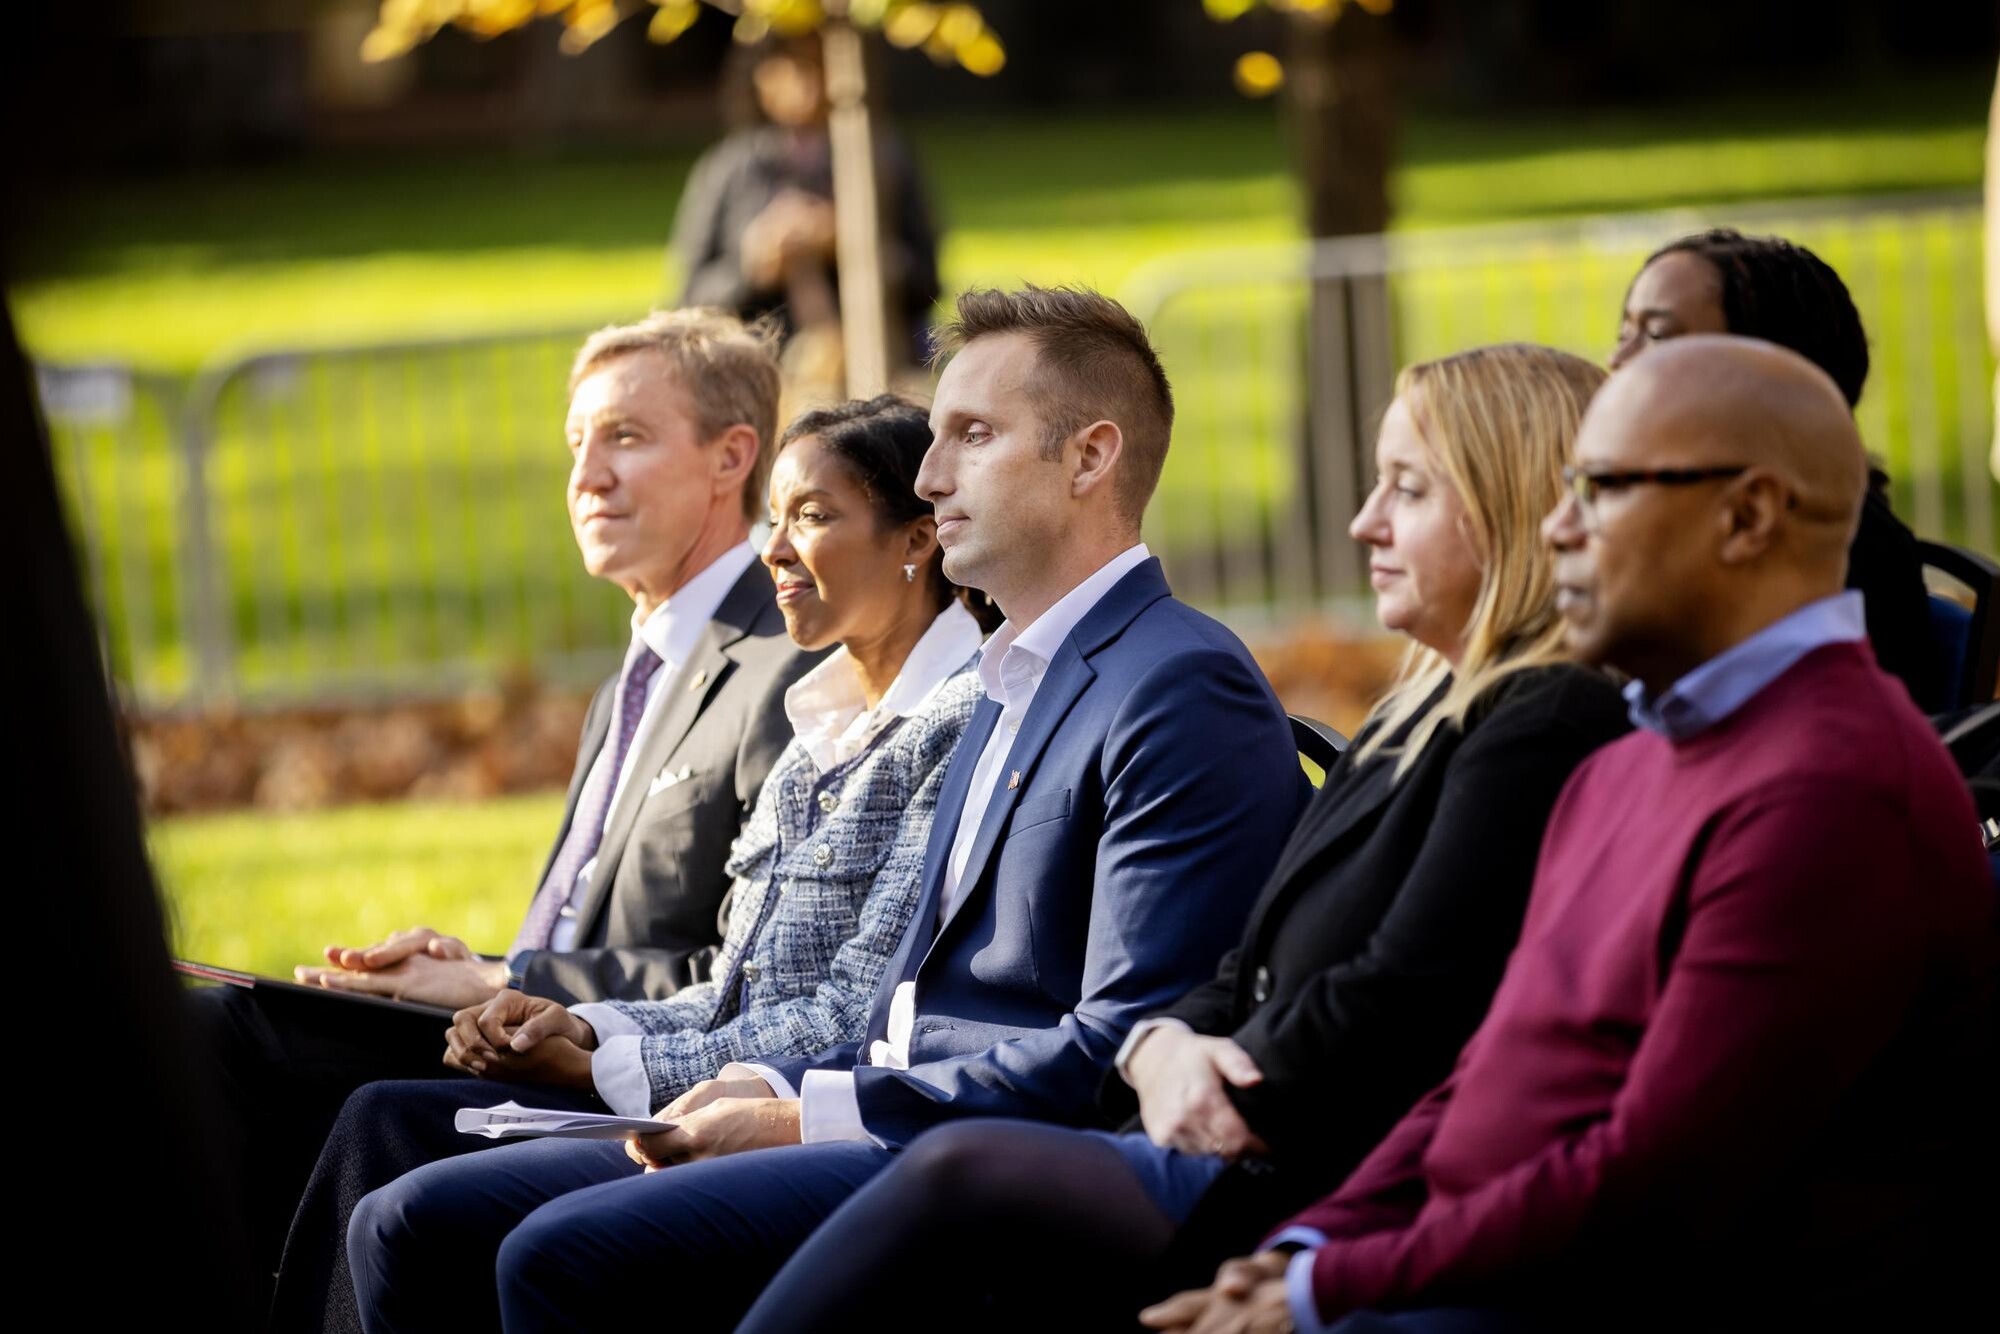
(517, 970)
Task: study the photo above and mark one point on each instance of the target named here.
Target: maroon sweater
(1732, 1047)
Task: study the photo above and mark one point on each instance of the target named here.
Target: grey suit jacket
(650, 920)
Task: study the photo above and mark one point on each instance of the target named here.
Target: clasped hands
(419, 965)
(516, 1036)
(1183, 1081)
(794, 229)
(1247, 1297)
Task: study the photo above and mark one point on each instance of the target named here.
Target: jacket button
(1260, 987)
(822, 856)
(827, 801)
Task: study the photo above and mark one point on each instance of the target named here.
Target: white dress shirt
(1012, 668)
(672, 631)
(831, 720)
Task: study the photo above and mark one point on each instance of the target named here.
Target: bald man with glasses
(1732, 1077)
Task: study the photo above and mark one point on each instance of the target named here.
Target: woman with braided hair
(1722, 281)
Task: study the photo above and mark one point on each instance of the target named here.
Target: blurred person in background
(755, 229)
(1722, 281)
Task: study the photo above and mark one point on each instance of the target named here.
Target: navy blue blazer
(1158, 784)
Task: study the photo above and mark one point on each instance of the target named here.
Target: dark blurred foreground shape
(135, 1223)
(131, 1224)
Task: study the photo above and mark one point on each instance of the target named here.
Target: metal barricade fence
(333, 524)
(322, 525)
(1263, 477)
(114, 438)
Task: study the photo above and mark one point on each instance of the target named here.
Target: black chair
(1319, 745)
(1968, 640)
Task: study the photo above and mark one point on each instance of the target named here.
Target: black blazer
(1376, 944)
(1885, 565)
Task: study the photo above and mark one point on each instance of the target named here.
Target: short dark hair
(1093, 363)
(882, 442)
(1783, 293)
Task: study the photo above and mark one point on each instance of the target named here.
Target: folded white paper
(510, 1120)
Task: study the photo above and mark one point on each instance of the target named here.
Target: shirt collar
(675, 626)
(829, 714)
(1015, 659)
(1732, 678)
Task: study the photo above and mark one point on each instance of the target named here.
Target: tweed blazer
(828, 870)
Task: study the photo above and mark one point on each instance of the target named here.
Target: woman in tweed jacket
(826, 871)
(827, 868)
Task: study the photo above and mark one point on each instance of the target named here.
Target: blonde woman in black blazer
(1369, 957)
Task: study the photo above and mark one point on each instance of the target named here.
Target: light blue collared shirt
(1730, 679)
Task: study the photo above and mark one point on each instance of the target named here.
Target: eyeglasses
(1586, 486)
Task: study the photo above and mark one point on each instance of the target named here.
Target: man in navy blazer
(1103, 826)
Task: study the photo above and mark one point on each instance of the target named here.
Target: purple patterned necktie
(593, 805)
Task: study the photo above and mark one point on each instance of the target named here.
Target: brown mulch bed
(523, 737)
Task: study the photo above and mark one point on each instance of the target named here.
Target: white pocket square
(667, 778)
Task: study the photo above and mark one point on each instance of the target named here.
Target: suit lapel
(1332, 815)
(1066, 679)
(1068, 676)
(1338, 810)
(688, 693)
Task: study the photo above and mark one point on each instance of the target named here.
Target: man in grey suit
(669, 429)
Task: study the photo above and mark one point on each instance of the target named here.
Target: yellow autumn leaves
(1259, 73)
(946, 32)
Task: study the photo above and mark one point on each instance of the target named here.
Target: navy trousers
(384, 1130)
(579, 1238)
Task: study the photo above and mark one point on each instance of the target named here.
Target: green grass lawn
(445, 529)
(263, 892)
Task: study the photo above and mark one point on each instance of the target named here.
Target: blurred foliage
(1259, 73)
(947, 33)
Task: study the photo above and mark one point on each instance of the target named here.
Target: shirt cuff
(781, 1087)
(1306, 1238)
(1299, 1292)
(1138, 1035)
(829, 1109)
(618, 1068)
(606, 1020)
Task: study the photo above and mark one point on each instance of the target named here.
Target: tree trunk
(1340, 96)
(857, 213)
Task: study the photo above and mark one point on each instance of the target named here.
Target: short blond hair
(1501, 422)
(729, 370)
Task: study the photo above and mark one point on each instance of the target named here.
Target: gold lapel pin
(1014, 780)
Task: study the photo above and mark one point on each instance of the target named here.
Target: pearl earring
(909, 574)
